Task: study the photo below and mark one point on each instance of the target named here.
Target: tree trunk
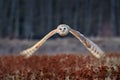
(76, 14)
(57, 16)
(42, 17)
(113, 17)
(5, 20)
(100, 18)
(66, 12)
(88, 15)
(49, 13)
(1, 17)
(11, 19)
(117, 17)
(17, 24)
(28, 18)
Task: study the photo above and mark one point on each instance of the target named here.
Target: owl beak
(63, 30)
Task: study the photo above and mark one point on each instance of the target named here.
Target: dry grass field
(59, 67)
(69, 61)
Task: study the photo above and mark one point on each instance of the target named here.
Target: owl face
(63, 29)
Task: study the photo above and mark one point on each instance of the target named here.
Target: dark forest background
(31, 19)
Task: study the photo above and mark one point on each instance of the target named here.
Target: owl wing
(28, 52)
(91, 46)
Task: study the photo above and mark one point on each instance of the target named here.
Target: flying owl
(63, 30)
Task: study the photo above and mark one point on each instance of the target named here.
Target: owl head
(63, 29)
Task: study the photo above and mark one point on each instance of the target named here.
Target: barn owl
(63, 30)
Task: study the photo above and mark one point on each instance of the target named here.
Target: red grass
(56, 67)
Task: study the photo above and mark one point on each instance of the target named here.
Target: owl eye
(60, 28)
(64, 28)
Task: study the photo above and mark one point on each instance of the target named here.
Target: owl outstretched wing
(91, 46)
(28, 52)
